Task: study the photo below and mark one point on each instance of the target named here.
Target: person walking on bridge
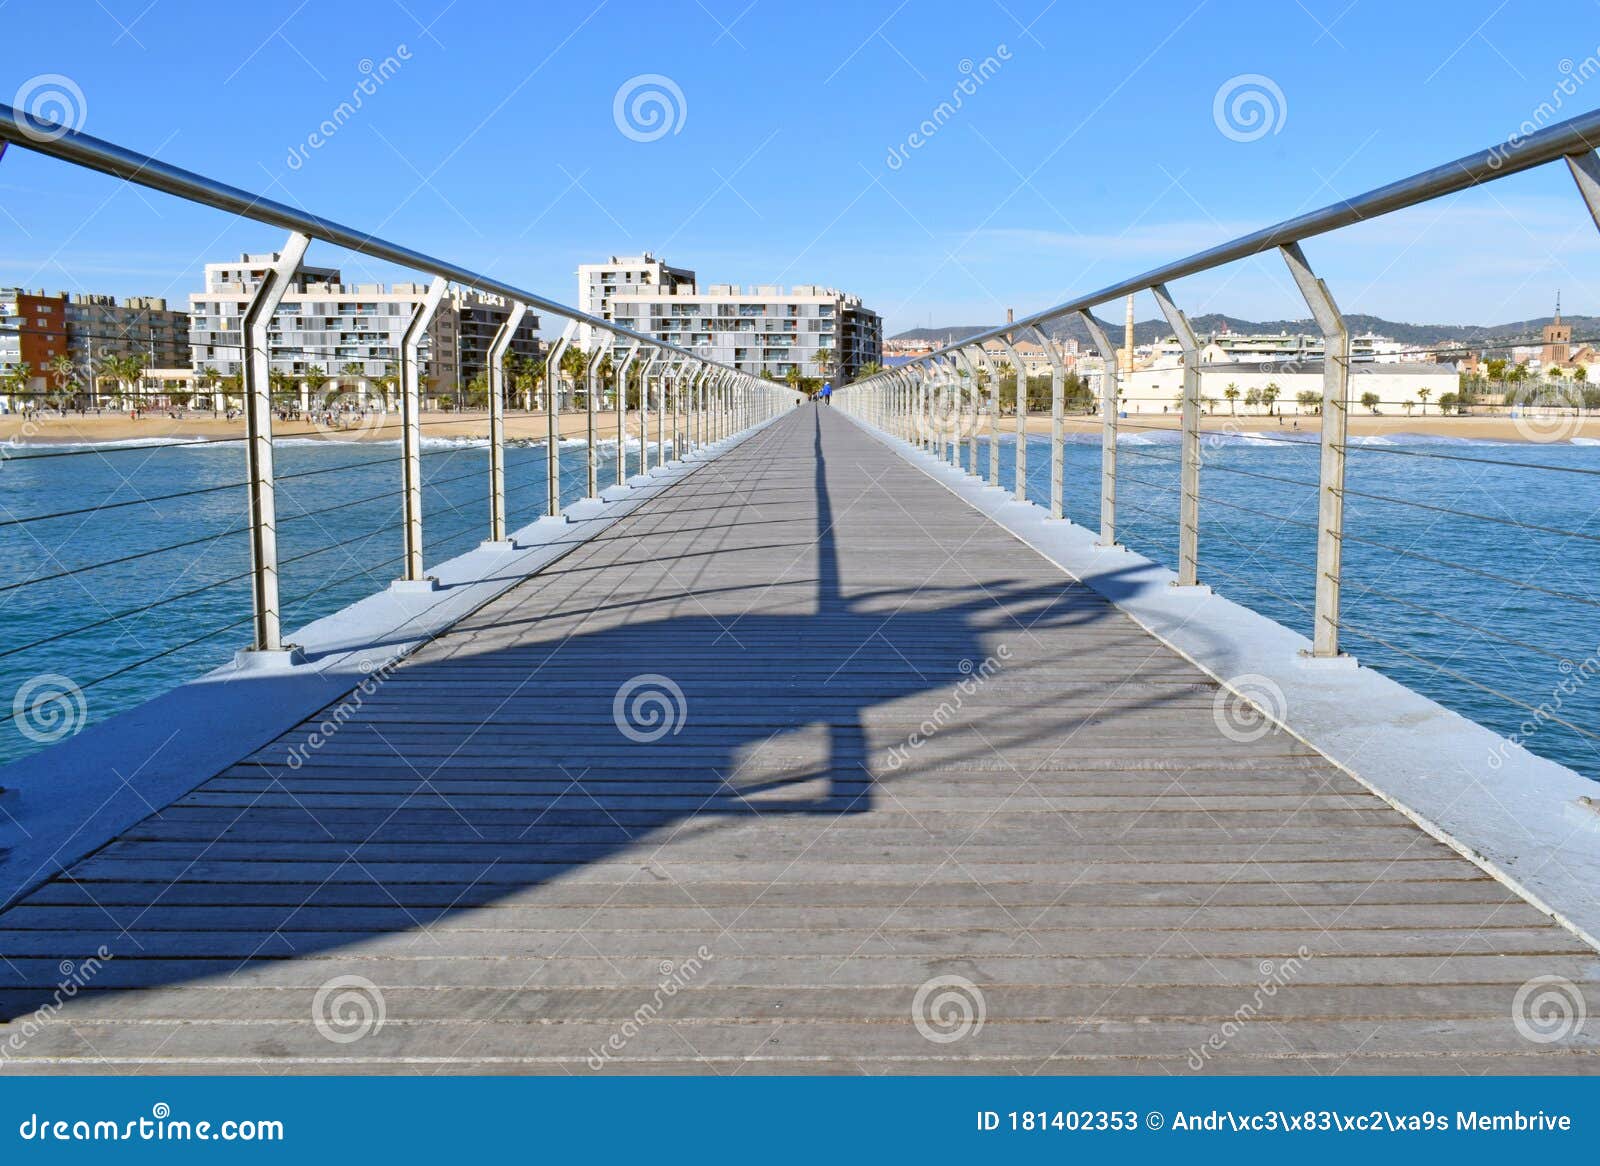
(827, 392)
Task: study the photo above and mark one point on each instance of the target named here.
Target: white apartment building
(1290, 347)
(329, 325)
(759, 330)
(1157, 389)
(600, 283)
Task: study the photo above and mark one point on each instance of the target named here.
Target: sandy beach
(520, 426)
(118, 427)
(1482, 427)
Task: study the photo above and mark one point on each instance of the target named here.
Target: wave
(20, 448)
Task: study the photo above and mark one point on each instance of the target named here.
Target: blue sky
(1090, 150)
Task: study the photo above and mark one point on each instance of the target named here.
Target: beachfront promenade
(804, 764)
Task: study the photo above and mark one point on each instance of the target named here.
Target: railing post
(665, 384)
(697, 407)
(1058, 436)
(411, 428)
(552, 420)
(908, 405)
(594, 382)
(255, 371)
(680, 425)
(719, 416)
(620, 389)
(644, 411)
(691, 413)
(1189, 469)
(498, 347)
(1108, 429)
(1335, 427)
(919, 404)
(1019, 484)
(945, 411)
(977, 394)
(1585, 169)
(993, 411)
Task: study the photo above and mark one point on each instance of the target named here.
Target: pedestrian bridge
(803, 765)
(809, 747)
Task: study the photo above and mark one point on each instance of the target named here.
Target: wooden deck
(479, 852)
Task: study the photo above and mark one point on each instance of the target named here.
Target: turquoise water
(1454, 632)
(156, 621)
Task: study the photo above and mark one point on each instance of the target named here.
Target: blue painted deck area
(922, 803)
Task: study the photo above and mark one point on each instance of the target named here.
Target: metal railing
(702, 401)
(929, 399)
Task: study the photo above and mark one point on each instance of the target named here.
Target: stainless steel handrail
(1580, 135)
(94, 153)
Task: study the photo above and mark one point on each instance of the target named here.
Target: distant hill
(1150, 331)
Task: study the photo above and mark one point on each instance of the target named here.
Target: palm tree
(64, 372)
(574, 362)
(1232, 393)
(353, 374)
(1270, 394)
(793, 376)
(1423, 395)
(533, 373)
(281, 387)
(315, 380)
(825, 363)
(16, 379)
(208, 379)
(1252, 398)
(385, 383)
(1370, 401)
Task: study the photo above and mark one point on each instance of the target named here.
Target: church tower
(1557, 341)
